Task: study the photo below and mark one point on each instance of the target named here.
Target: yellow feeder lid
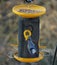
(29, 10)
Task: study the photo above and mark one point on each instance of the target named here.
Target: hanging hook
(28, 1)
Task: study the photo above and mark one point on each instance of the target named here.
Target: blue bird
(31, 47)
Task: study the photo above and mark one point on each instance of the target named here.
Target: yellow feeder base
(38, 10)
(29, 60)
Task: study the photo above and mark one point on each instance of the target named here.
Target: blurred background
(9, 31)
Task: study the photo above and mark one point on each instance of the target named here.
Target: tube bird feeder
(28, 32)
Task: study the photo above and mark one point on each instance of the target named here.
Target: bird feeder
(28, 32)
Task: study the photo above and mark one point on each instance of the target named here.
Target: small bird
(31, 47)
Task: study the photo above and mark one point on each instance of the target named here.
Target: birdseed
(29, 11)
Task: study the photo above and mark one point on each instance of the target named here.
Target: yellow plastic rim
(41, 10)
(29, 60)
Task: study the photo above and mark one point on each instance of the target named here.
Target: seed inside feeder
(29, 11)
